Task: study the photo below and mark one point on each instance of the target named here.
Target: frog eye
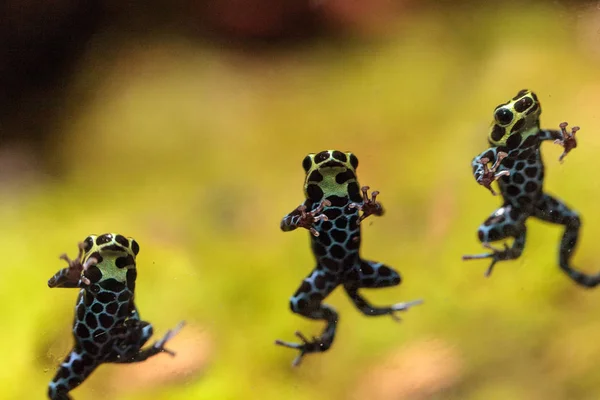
(88, 243)
(306, 163)
(135, 247)
(338, 155)
(503, 116)
(353, 161)
(122, 240)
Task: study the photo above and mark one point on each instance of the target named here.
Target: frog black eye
(306, 163)
(135, 247)
(122, 240)
(353, 161)
(338, 155)
(88, 243)
(523, 104)
(504, 116)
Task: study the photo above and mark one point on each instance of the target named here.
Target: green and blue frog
(332, 213)
(516, 163)
(107, 326)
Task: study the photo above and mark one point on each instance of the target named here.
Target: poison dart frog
(107, 326)
(332, 212)
(516, 163)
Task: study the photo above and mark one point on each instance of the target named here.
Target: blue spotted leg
(507, 221)
(372, 274)
(552, 210)
(307, 301)
(123, 345)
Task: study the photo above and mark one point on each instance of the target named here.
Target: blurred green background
(189, 137)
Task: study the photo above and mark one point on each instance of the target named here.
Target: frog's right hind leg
(307, 301)
(76, 367)
(507, 221)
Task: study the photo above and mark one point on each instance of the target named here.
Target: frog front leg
(370, 274)
(507, 221)
(561, 137)
(131, 337)
(369, 205)
(485, 175)
(307, 301)
(71, 276)
(301, 218)
(76, 367)
(552, 210)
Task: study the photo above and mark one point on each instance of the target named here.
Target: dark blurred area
(42, 41)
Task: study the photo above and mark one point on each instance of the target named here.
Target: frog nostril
(504, 116)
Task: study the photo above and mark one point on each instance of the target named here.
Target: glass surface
(184, 125)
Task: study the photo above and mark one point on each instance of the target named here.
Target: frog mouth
(115, 247)
(332, 164)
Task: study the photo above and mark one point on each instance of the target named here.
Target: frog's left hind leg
(507, 221)
(370, 274)
(555, 211)
(76, 367)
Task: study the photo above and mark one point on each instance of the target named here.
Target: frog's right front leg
(307, 301)
(301, 218)
(484, 175)
(71, 276)
(505, 222)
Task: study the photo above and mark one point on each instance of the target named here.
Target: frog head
(516, 120)
(330, 172)
(114, 255)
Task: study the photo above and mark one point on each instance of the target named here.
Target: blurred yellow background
(194, 148)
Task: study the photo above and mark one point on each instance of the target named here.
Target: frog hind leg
(76, 367)
(370, 274)
(507, 221)
(132, 335)
(307, 301)
(552, 210)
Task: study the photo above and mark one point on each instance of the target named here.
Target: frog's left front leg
(561, 137)
(507, 221)
(555, 211)
(370, 274)
(369, 206)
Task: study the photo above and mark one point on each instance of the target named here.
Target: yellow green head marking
(115, 255)
(515, 120)
(328, 173)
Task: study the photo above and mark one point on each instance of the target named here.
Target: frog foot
(489, 174)
(496, 255)
(308, 218)
(72, 274)
(160, 345)
(402, 307)
(79, 265)
(568, 141)
(369, 206)
(306, 347)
